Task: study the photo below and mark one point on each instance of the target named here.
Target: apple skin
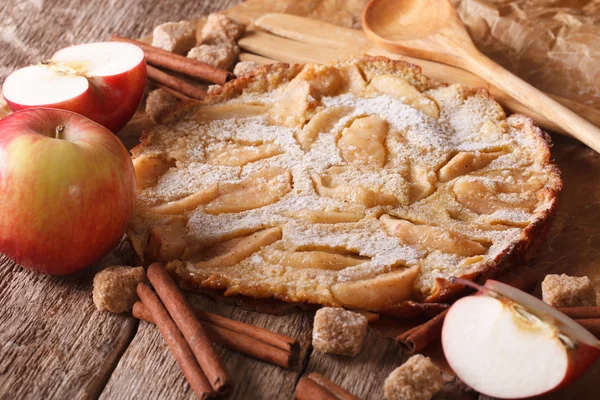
(66, 202)
(110, 101)
(580, 361)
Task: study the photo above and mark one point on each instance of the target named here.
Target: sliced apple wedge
(103, 81)
(507, 344)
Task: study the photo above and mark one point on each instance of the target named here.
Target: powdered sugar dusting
(322, 179)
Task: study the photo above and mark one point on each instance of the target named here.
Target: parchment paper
(552, 44)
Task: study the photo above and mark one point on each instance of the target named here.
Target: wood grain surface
(55, 345)
(53, 342)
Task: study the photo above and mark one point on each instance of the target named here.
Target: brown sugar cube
(159, 101)
(219, 55)
(338, 331)
(244, 68)
(417, 379)
(178, 37)
(568, 291)
(221, 29)
(114, 288)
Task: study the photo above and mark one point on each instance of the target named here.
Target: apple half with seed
(507, 344)
(102, 81)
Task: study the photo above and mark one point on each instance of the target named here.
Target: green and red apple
(68, 190)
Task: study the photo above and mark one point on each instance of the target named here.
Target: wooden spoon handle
(534, 99)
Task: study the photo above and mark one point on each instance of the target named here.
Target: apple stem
(59, 130)
(471, 284)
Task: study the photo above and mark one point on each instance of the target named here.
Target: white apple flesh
(68, 190)
(102, 81)
(508, 344)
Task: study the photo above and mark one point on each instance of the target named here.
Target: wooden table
(55, 345)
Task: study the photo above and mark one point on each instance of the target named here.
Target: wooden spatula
(294, 39)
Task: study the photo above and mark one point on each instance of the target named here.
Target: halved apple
(103, 81)
(508, 344)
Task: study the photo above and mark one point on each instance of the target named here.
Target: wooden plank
(291, 51)
(256, 58)
(54, 344)
(148, 370)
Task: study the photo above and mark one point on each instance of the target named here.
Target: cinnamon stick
(338, 392)
(176, 84)
(592, 325)
(307, 389)
(175, 93)
(183, 316)
(274, 339)
(416, 339)
(178, 63)
(233, 340)
(175, 341)
(581, 312)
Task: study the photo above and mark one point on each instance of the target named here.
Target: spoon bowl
(419, 28)
(432, 30)
(404, 21)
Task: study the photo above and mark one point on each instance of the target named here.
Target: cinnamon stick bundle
(274, 339)
(176, 342)
(175, 84)
(178, 63)
(317, 387)
(416, 339)
(264, 350)
(185, 319)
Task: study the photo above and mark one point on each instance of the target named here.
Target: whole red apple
(68, 190)
(102, 81)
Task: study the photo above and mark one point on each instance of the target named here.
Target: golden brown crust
(261, 80)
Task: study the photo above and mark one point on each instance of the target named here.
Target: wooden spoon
(431, 29)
